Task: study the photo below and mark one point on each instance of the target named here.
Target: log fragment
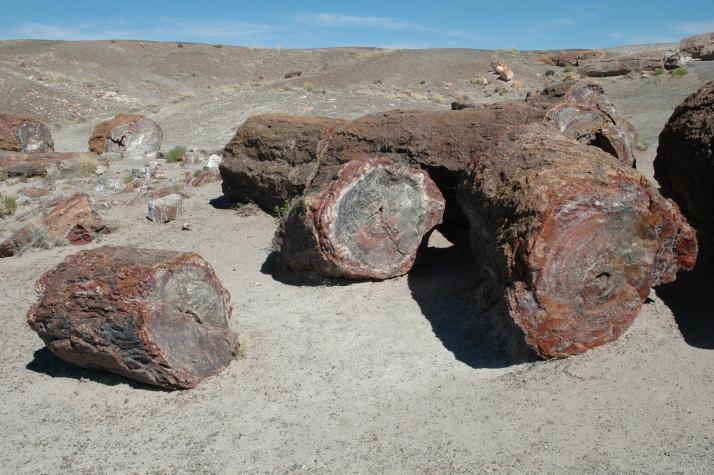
(364, 219)
(157, 317)
(572, 239)
(699, 46)
(684, 165)
(24, 133)
(131, 135)
(621, 65)
(36, 164)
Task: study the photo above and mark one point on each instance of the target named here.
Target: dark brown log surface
(574, 239)
(36, 164)
(684, 165)
(24, 133)
(365, 219)
(157, 317)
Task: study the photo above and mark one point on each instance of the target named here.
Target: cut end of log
(131, 135)
(365, 219)
(24, 133)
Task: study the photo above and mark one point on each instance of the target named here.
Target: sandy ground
(373, 377)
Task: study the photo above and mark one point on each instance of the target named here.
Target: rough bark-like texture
(24, 133)
(620, 65)
(157, 317)
(36, 164)
(684, 165)
(365, 219)
(505, 73)
(165, 209)
(699, 46)
(572, 57)
(70, 219)
(573, 239)
(131, 135)
(272, 158)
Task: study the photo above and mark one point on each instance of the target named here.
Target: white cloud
(616, 35)
(378, 22)
(564, 21)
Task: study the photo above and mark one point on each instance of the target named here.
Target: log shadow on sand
(691, 300)
(445, 284)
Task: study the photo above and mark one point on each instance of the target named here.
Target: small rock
(481, 82)
(213, 161)
(293, 74)
(165, 209)
(34, 192)
(101, 170)
(186, 227)
(503, 70)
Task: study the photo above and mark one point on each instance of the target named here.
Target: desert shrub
(569, 68)
(679, 72)
(641, 146)
(8, 205)
(549, 72)
(82, 168)
(439, 99)
(308, 86)
(658, 72)
(176, 154)
(282, 210)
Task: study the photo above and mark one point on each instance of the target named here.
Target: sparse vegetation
(8, 205)
(569, 68)
(658, 72)
(82, 168)
(282, 210)
(438, 98)
(641, 146)
(308, 86)
(679, 72)
(176, 154)
(550, 72)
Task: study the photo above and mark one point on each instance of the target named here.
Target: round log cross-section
(131, 135)
(157, 317)
(365, 219)
(24, 133)
(573, 238)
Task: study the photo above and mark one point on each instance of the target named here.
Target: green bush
(659, 72)
(176, 154)
(282, 210)
(8, 205)
(549, 72)
(679, 72)
(569, 68)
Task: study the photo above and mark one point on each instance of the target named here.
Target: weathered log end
(157, 317)
(24, 133)
(131, 135)
(576, 239)
(365, 219)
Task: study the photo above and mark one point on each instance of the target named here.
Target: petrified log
(699, 46)
(364, 219)
(684, 165)
(36, 164)
(157, 317)
(24, 133)
(571, 57)
(572, 239)
(621, 65)
(272, 158)
(504, 72)
(70, 219)
(131, 135)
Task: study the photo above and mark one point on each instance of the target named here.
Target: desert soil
(372, 377)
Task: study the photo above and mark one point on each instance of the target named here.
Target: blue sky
(396, 24)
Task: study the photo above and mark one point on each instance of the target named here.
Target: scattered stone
(24, 133)
(206, 177)
(479, 82)
(157, 317)
(293, 74)
(214, 161)
(34, 192)
(185, 227)
(131, 135)
(69, 220)
(503, 70)
(699, 46)
(165, 209)
(458, 105)
(684, 165)
(101, 170)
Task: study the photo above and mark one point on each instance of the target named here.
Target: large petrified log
(699, 46)
(70, 220)
(684, 165)
(131, 135)
(24, 133)
(157, 317)
(36, 164)
(365, 219)
(620, 65)
(571, 238)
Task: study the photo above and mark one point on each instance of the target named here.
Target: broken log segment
(131, 135)
(572, 239)
(684, 165)
(157, 317)
(24, 133)
(36, 164)
(365, 219)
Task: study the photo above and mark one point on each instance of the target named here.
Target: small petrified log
(572, 239)
(699, 46)
(364, 219)
(131, 135)
(272, 158)
(504, 72)
(70, 220)
(36, 164)
(24, 133)
(157, 317)
(621, 65)
(684, 165)
(571, 57)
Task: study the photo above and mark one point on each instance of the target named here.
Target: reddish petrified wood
(365, 219)
(36, 164)
(132, 135)
(70, 219)
(272, 158)
(574, 239)
(24, 133)
(684, 165)
(620, 65)
(157, 317)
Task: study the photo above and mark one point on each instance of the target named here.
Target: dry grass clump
(8, 205)
(83, 168)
